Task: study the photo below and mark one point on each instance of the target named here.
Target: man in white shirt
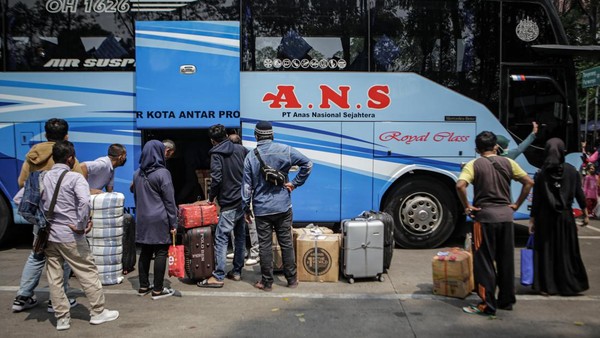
(100, 173)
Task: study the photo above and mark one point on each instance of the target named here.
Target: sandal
(211, 282)
(263, 286)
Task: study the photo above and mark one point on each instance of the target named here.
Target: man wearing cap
(514, 153)
(272, 204)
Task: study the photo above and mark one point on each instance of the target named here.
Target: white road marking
(591, 227)
(349, 296)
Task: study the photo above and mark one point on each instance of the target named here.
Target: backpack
(30, 206)
(270, 174)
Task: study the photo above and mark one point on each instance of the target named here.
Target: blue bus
(384, 96)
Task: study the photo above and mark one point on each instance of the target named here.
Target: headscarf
(553, 169)
(153, 157)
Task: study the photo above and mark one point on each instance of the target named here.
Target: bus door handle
(26, 138)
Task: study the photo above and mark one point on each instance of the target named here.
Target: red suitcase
(193, 216)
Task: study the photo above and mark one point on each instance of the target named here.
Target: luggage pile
(198, 221)
(366, 246)
(106, 237)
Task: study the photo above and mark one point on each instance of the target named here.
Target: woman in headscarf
(558, 268)
(156, 214)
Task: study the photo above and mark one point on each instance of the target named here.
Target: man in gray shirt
(100, 173)
(66, 242)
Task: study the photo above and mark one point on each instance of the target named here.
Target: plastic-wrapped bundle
(110, 278)
(108, 259)
(106, 250)
(104, 268)
(105, 232)
(108, 200)
(106, 241)
(113, 222)
(106, 237)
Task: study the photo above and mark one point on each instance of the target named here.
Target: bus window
(524, 24)
(328, 35)
(454, 43)
(539, 98)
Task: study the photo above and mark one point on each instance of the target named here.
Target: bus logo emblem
(527, 30)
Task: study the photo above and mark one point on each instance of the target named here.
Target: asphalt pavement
(401, 306)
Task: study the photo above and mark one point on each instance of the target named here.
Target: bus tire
(5, 219)
(424, 212)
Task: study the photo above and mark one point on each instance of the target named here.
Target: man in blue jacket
(272, 204)
(226, 169)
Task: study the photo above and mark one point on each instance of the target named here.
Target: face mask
(124, 161)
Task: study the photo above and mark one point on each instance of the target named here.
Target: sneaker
(475, 310)
(22, 303)
(72, 302)
(166, 292)
(234, 276)
(293, 284)
(230, 255)
(506, 307)
(63, 323)
(105, 316)
(145, 291)
(252, 261)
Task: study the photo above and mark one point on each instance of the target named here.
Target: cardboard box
(314, 230)
(317, 257)
(453, 273)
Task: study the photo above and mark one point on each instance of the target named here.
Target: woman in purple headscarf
(156, 216)
(558, 268)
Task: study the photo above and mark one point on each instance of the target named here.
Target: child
(590, 189)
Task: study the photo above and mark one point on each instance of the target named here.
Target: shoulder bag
(41, 239)
(271, 174)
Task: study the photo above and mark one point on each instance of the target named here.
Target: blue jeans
(230, 220)
(32, 272)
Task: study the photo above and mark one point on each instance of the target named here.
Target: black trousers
(282, 225)
(160, 252)
(494, 242)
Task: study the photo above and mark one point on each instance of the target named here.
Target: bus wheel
(4, 219)
(424, 212)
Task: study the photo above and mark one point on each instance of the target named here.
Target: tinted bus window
(523, 25)
(90, 35)
(296, 35)
(454, 43)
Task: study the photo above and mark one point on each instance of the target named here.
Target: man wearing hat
(272, 203)
(514, 153)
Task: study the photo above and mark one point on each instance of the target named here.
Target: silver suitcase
(362, 249)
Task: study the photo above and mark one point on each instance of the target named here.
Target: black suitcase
(388, 238)
(129, 249)
(199, 253)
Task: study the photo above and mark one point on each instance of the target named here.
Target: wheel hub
(421, 214)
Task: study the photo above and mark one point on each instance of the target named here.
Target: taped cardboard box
(452, 273)
(317, 257)
(310, 229)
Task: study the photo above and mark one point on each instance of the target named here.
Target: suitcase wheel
(351, 280)
(381, 278)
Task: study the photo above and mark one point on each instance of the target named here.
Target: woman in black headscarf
(558, 268)
(156, 214)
